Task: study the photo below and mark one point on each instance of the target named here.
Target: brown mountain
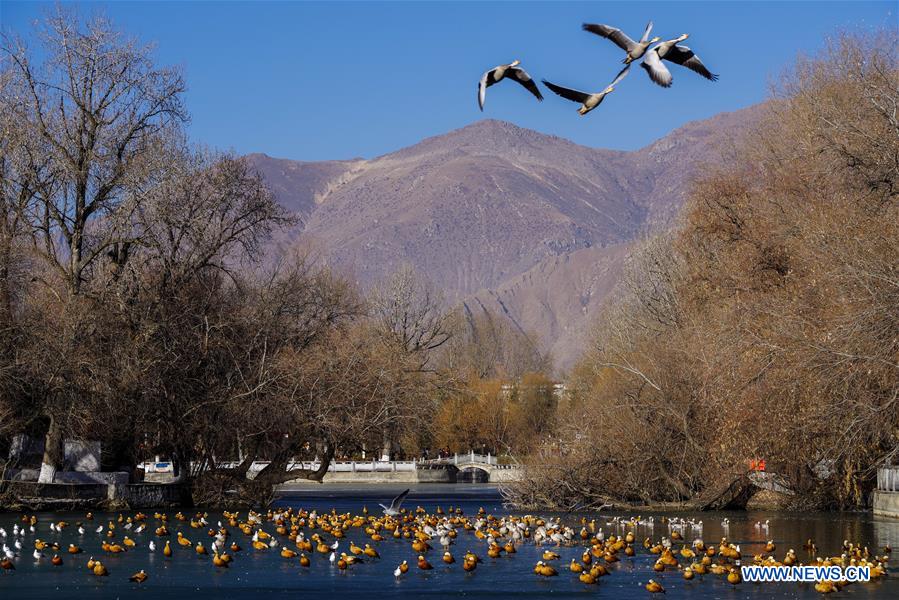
(525, 224)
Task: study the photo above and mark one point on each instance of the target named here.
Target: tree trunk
(216, 487)
(732, 496)
(180, 465)
(246, 462)
(53, 453)
(322, 470)
(5, 444)
(276, 472)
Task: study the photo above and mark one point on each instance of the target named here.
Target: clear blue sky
(314, 81)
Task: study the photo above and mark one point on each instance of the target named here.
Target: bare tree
(347, 387)
(97, 106)
(765, 327)
(142, 301)
(411, 309)
(92, 115)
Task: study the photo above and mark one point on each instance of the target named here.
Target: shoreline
(74, 497)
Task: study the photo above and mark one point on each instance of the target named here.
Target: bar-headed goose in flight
(497, 74)
(588, 101)
(394, 508)
(634, 49)
(681, 55)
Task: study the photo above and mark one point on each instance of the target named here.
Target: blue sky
(314, 81)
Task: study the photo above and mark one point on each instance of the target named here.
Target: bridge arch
(473, 474)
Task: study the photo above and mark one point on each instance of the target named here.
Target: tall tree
(91, 116)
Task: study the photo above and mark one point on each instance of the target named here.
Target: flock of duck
(654, 59)
(297, 535)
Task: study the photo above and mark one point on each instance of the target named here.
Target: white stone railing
(336, 466)
(351, 466)
(473, 458)
(888, 479)
(361, 466)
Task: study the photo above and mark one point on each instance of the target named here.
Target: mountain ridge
(524, 222)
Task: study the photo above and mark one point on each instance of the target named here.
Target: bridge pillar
(455, 458)
(353, 466)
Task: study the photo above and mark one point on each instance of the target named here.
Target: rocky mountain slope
(508, 219)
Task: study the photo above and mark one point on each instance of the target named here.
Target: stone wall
(82, 456)
(886, 504)
(506, 475)
(23, 445)
(368, 477)
(61, 496)
(70, 496)
(105, 477)
(151, 495)
(78, 455)
(447, 475)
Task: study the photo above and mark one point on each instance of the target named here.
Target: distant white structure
(82, 456)
(81, 460)
(558, 389)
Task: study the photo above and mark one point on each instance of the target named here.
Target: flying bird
(588, 101)
(681, 55)
(633, 49)
(394, 508)
(497, 74)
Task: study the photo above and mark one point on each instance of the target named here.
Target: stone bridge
(477, 467)
(481, 468)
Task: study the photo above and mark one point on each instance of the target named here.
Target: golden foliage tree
(766, 327)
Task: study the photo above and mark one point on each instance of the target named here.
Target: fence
(336, 466)
(357, 466)
(474, 458)
(888, 479)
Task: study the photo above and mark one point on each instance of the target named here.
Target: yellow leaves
(497, 413)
